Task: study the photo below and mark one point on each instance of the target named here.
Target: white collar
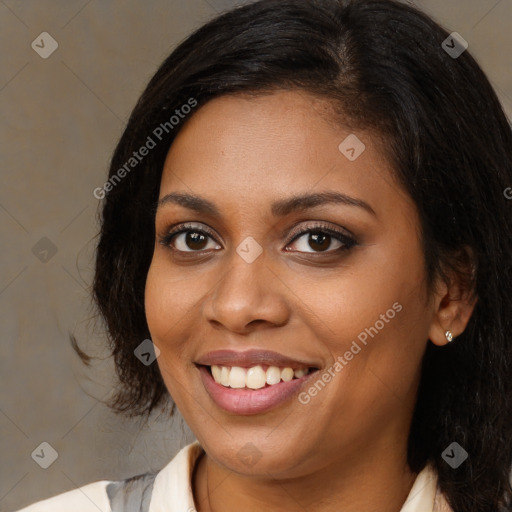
(173, 484)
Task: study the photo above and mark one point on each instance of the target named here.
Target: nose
(248, 296)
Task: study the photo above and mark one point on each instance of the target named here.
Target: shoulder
(106, 496)
(148, 491)
(89, 498)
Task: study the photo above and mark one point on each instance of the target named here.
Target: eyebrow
(280, 208)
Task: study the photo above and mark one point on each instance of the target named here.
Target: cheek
(374, 316)
(344, 304)
(172, 299)
(169, 299)
(166, 306)
(158, 301)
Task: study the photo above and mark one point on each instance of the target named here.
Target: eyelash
(348, 241)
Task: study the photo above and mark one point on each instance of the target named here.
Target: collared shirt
(172, 486)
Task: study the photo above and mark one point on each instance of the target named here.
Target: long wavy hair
(382, 65)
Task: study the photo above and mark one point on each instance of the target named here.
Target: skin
(348, 444)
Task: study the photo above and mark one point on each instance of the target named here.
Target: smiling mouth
(255, 377)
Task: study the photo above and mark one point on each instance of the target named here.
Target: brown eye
(187, 238)
(191, 241)
(195, 240)
(322, 240)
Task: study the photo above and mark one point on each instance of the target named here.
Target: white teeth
(237, 377)
(299, 373)
(273, 375)
(254, 377)
(224, 376)
(287, 374)
(216, 372)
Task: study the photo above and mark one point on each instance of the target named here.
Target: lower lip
(250, 401)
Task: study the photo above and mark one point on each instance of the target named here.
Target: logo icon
(249, 249)
(352, 147)
(249, 454)
(454, 45)
(147, 352)
(44, 250)
(454, 455)
(45, 455)
(44, 45)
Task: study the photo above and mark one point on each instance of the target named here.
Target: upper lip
(252, 357)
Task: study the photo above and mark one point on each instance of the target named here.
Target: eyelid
(319, 226)
(183, 227)
(341, 234)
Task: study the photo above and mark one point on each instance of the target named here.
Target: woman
(306, 216)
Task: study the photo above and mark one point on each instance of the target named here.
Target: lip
(250, 401)
(253, 357)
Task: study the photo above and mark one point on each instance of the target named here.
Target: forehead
(254, 149)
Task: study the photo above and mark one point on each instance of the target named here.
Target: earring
(449, 336)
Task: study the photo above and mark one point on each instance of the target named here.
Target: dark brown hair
(383, 65)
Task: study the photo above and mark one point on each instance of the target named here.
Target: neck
(374, 484)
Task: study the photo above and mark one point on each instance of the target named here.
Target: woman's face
(270, 274)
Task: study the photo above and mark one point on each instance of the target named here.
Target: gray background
(60, 120)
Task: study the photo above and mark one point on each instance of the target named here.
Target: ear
(454, 299)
